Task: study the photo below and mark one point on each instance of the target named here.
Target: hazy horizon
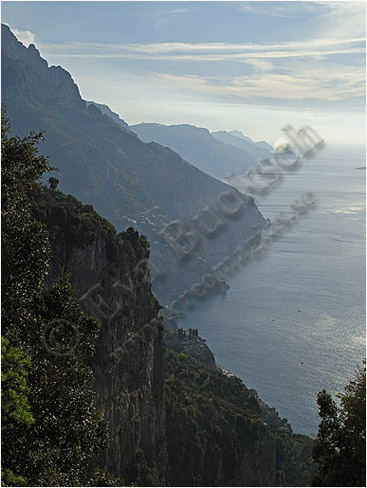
(249, 66)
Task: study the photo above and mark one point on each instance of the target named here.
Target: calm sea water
(293, 323)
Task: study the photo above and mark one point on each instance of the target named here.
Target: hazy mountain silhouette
(104, 164)
(258, 150)
(197, 145)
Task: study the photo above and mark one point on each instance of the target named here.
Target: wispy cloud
(292, 49)
(317, 84)
(168, 15)
(337, 19)
(342, 19)
(239, 57)
(255, 54)
(297, 70)
(327, 66)
(272, 9)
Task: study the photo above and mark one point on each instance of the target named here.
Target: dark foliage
(212, 423)
(51, 428)
(25, 248)
(340, 447)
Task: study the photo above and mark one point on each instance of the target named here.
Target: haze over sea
(293, 323)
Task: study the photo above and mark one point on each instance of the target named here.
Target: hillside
(216, 435)
(262, 144)
(255, 149)
(177, 422)
(197, 145)
(127, 181)
(105, 109)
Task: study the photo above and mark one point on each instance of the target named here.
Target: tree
(25, 258)
(25, 248)
(15, 409)
(53, 182)
(51, 427)
(69, 430)
(340, 446)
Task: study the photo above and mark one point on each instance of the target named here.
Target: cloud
(272, 9)
(211, 52)
(337, 19)
(325, 67)
(260, 64)
(320, 83)
(343, 19)
(313, 69)
(238, 57)
(26, 37)
(293, 48)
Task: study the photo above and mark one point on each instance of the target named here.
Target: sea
(293, 323)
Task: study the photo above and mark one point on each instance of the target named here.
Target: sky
(250, 66)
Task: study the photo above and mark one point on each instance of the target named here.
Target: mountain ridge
(245, 143)
(105, 110)
(125, 179)
(241, 135)
(199, 146)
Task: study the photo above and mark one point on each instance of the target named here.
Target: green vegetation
(83, 225)
(212, 423)
(294, 465)
(15, 408)
(340, 447)
(25, 247)
(51, 428)
(53, 182)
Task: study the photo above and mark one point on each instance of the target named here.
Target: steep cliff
(175, 424)
(215, 436)
(110, 276)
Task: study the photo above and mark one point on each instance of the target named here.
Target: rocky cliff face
(258, 464)
(189, 342)
(174, 423)
(54, 84)
(110, 277)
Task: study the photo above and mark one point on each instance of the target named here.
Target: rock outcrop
(189, 342)
(110, 276)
